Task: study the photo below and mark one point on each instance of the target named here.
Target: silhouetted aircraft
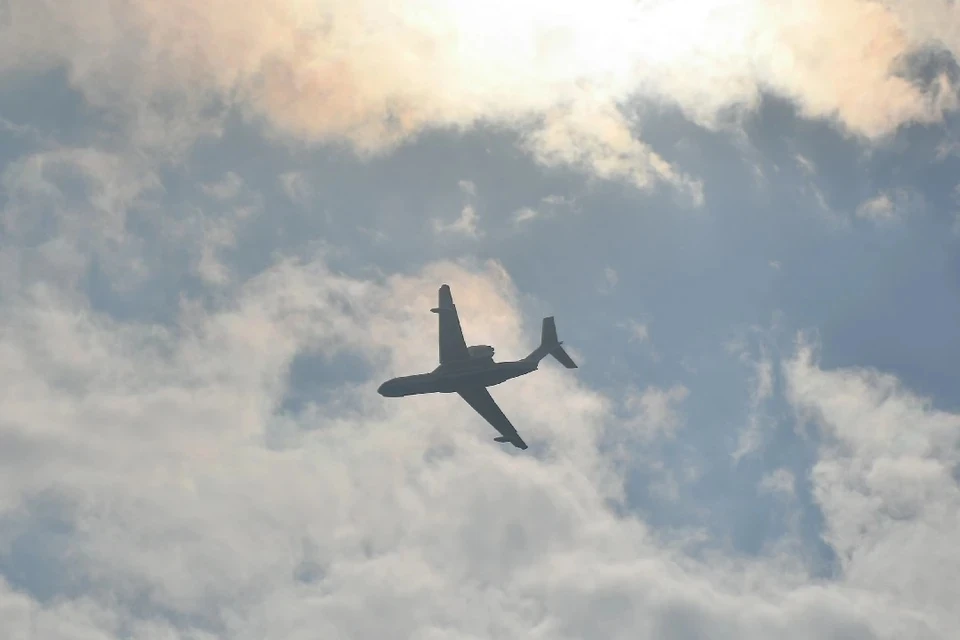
(468, 371)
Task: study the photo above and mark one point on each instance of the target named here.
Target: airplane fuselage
(469, 370)
(454, 376)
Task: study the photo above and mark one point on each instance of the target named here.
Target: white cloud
(297, 187)
(885, 482)
(948, 147)
(524, 214)
(465, 225)
(468, 187)
(226, 188)
(750, 438)
(555, 200)
(562, 73)
(156, 467)
(890, 206)
(598, 139)
(149, 444)
(638, 332)
(66, 206)
(877, 209)
(805, 164)
(653, 412)
(779, 482)
(610, 280)
(548, 206)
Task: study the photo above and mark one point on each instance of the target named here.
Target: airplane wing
(482, 402)
(452, 345)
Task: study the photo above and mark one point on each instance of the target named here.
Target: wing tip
(445, 297)
(516, 441)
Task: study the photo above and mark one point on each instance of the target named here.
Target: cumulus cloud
(601, 141)
(375, 75)
(886, 483)
(159, 471)
(178, 520)
(844, 60)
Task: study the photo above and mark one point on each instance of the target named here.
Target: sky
(224, 225)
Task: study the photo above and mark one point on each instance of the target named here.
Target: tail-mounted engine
(480, 351)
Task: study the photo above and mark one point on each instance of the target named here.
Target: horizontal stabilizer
(550, 345)
(563, 358)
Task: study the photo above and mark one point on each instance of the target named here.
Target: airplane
(468, 371)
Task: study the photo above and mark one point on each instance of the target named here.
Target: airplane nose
(382, 389)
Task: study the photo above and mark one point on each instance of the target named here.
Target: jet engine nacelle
(480, 351)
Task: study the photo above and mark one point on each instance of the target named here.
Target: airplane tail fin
(550, 345)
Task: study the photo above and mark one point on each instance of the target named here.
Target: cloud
(601, 141)
(779, 482)
(548, 206)
(157, 468)
(565, 74)
(653, 412)
(468, 187)
(750, 438)
(465, 225)
(885, 480)
(948, 147)
(225, 189)
(878, 209)
(844, 60)
(805, 164)
(68, 206)
(889, 206)
(610, 281)
(524, 214)
(157, 483)
(297, 187)
(638, 332)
